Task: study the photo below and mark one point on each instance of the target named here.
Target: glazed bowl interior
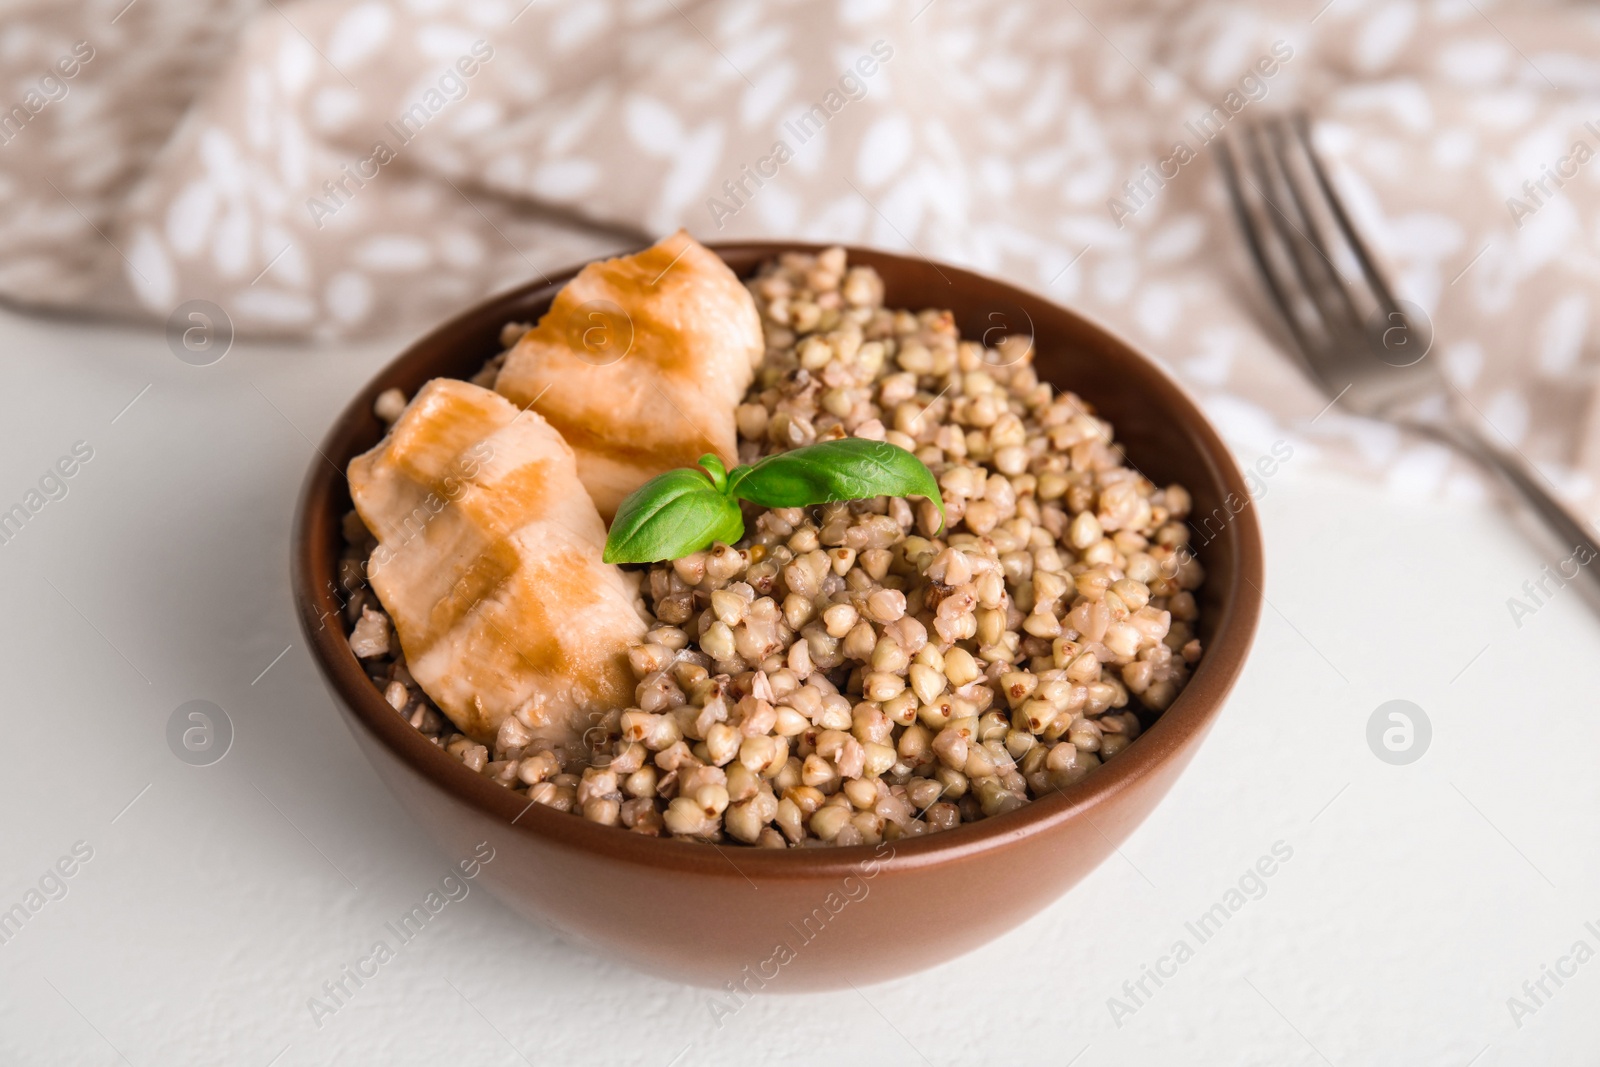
(1160, 429)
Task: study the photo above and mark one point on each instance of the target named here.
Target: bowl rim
(1189, 715)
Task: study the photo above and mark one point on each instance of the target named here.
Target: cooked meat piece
(488, 562)
(639, 363)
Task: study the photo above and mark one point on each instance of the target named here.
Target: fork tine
(1369, 268)
(1308, 224)
(1234, 180)
(1322, 284)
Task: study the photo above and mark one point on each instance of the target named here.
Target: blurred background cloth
(328, 168)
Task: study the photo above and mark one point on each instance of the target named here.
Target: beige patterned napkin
(335, 167)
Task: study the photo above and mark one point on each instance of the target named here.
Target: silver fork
(1366, 349)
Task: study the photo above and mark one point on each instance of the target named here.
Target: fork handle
(1560, 518)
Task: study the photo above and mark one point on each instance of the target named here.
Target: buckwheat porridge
(847, 672)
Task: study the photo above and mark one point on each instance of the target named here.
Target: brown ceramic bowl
(793, 918)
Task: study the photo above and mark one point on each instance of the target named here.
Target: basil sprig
(684, 511)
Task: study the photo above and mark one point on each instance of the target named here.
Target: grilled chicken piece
(488, 562)
(640, 363)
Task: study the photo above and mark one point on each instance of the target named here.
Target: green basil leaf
(670, 516)
(719, 474)
(851, 468)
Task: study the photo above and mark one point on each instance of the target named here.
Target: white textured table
(217, 900)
